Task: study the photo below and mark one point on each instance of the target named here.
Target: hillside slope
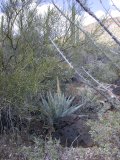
(100, 34)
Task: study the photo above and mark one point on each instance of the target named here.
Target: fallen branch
(101, 89)
(90, 38)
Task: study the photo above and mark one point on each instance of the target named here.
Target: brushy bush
(25, 80)
(28, 62)
(103, 72)
(42, 76)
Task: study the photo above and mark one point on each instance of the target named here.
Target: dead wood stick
(101, 89)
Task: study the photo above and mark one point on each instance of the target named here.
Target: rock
(73, 131)
(117, 82)
(116, 91)
(36, 127)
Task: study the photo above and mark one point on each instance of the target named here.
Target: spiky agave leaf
(57, 105)
(72, 110)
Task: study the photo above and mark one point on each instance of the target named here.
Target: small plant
(57, 105)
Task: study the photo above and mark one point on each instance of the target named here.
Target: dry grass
(105, 131)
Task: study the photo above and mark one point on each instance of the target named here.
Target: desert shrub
(25, 80)
(35, 77)
(28, 63)
(103, 72)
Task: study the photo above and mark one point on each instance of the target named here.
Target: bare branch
(90, 38)
(99, 21)
(105, 92)
(115, 6)
(109, 14)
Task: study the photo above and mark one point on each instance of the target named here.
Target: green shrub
(103, 72)
(32, 78)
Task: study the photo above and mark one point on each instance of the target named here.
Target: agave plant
(57, 105)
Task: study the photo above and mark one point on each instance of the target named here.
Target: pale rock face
(111, 24)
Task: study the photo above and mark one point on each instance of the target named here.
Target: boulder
(73, 131)
(117, 82)
(36, 127)
(116, 91)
